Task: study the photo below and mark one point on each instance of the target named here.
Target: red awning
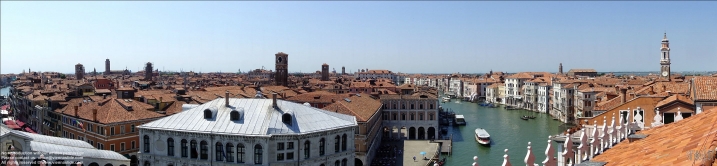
(19, 123)
(29, 130)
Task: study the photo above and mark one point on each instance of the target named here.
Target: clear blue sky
(410, 37)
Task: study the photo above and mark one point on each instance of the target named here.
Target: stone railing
(577, 146)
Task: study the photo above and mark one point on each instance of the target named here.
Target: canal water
(4, 91)
(507, 131)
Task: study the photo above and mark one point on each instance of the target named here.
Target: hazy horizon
(406, 37)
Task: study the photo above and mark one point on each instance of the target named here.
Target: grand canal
(507, 131)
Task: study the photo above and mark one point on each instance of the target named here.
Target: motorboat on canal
(460, 120)
(482, 137)
(524, 117)
(446, 99)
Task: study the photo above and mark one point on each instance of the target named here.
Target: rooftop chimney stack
(273, 100)
(226, 99)
(94, 115)
(76, 108)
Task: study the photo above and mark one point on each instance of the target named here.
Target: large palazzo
(249, 132)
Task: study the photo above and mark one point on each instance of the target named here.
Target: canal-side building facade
(544, 96)
(249, 132)
(416, 115)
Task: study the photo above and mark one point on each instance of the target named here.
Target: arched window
(412, 106)
(337, 163)
(307, 149)
(344, 162)
(337, 140)
(203, 150)
(219, 155)
(403, 106)
(207, 114)
(420, 106)
(430, 116)
(185, 148)
(146, 143)
(230, 152)
(193, 146)
(240, 153)
(343, 142)
(403, 116)
(146, 163)
(420, 116)
(257, 154)
(286, 118)
(234, 115)
(322, 147)
(170, 147)
(430, 106)
(413, 116)
(394, 107)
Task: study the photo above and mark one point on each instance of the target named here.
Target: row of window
(226, 152)
(394, 116)
(100, 146)
(95, 129)
(411, 106)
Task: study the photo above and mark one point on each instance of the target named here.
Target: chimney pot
(226, 98)
(76, 108)
(273, 100)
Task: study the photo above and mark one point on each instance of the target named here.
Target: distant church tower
(324, 72)
(665, 59)
(107, 67)
(560, 69)
(148, 71)
(79, 71)
(281, 76)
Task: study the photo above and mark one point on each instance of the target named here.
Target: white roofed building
(249, 132)
(30, 147)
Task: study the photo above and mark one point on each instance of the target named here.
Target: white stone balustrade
(594, 140)
(506, 161)
(530, 158)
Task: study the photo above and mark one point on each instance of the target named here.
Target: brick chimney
(94, 114)
(226, 99)
(623, 95)
(273, 100)
(76, 108)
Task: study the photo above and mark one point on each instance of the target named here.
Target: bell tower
(282, 65)
(665, 58)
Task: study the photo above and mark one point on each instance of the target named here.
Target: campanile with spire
(665, 58)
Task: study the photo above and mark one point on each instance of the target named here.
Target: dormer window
(286, 118)
(209, 113)
(236, 114)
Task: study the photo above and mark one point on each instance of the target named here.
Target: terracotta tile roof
(521, 75)
(110, 110)
(670, 144)
(363, 107)
(705, 88)
(674, 98)
(608, 105)
(317, 97)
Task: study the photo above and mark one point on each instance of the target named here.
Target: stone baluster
(678, 117)
(475, 160)
(603, 136)
(550, 154)
(506, 161)
(583, 148)
(595, 142)
(568, 154)
(657, 121)
(530, 158)
(613, 131)
(619, 127)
